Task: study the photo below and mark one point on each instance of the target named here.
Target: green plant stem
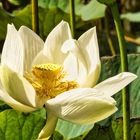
(111, 47)
(35, 20)
(72, 17)
(124, 66)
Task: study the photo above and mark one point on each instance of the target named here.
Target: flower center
(48, 80)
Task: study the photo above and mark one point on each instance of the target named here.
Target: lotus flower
(59, 74)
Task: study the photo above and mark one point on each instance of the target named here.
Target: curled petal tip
(131, 74)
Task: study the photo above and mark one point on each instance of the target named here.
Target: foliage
(51, 12)
(109, 129)
(19, 126)
(133, 17)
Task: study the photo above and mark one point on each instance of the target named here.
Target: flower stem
(72, 16)
(120, 33)
(35, 20)
(124, 67)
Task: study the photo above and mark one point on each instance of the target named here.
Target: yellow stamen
(47, 79)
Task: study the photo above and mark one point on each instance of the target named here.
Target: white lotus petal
(77, 67)
(115, 84)
(88, 62)
(49, 128)
(88, 45)
(82, 106)
(15, 104)
(17, 87)
(71, 67)
(55, 40)
(32, 46)
(76, 64)
(72, 46)
(12, 54)
(41, 59)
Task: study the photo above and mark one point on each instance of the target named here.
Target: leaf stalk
(72, 16)
(124, 67)
(35, 19)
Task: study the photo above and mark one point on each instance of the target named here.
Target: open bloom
(59, 74)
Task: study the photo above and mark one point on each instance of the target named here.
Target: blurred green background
(88, 13)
